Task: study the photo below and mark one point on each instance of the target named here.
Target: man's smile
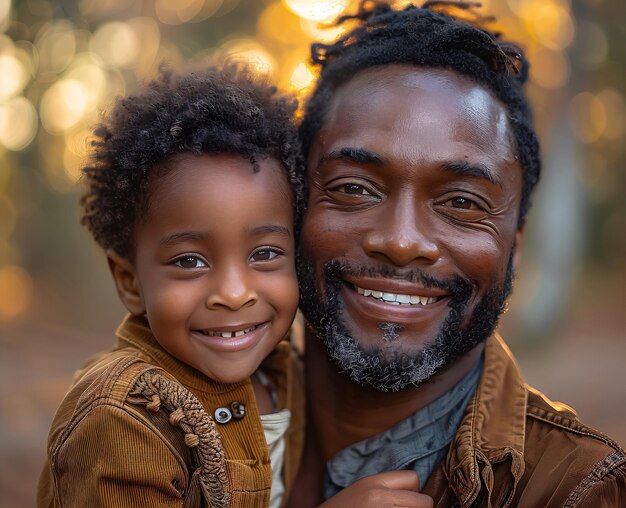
(389, 300)
(397, 298)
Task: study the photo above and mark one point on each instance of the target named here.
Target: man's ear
(126, 282)
(517, 256)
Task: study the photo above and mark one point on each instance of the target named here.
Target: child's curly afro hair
(227, 110)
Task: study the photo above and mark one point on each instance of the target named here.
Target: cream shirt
(275, 426)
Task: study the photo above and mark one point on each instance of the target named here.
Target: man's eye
(353, 188)
(464, 203)
(190, 262)
(264, 254)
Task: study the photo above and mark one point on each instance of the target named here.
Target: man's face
(412, 221)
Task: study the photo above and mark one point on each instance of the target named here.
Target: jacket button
(223, 415)
(238, 410)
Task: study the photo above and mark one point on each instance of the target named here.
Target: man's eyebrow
(184, 236)
(351, 154)
(465, 168)
(270, 229)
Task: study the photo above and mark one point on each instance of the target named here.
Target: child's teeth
(229, 335)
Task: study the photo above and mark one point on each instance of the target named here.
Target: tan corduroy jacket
(515, 447)
(136, 430)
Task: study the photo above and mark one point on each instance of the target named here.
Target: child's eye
(265, 254)
(190, 262)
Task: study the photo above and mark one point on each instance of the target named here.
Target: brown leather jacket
(135, 430)
(515, 447)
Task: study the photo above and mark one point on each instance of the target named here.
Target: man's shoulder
(562, 452)
(546, 417)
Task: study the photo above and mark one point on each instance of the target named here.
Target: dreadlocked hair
(444, 34)
(219, 110)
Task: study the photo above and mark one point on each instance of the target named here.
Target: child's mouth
(227, 335)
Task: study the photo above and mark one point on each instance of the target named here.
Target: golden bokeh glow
(18, 123)
(75, 154)
(16, 291)
(14, 76)
(549, 69)
(93, 80)
(56, 45)
(63, 105)
(116, 44)
(613, 103)
(587, 117)
(317, 10)
(251, 52)
(5, 13)
(176, 12)
(321, 32)
(149, 38)
(301, 78)
(277, 23)
(549, 22)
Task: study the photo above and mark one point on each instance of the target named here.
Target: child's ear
(126, 282)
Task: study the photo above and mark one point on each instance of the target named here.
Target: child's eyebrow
(270, 228)
(185, 236)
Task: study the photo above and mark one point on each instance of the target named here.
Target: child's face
(214, 263)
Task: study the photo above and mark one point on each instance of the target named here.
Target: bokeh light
(302, 77)
(184, 11)
(56, 45)
(587, 117)
(317, 10)
(549, 22)
(5, 11)
(16, 291)
(18, 123)
(63, 105)
(252, 52)
(277, 23)
(550, 69)
(14, 76)
(116, 44)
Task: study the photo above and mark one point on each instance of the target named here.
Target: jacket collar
(492, 429)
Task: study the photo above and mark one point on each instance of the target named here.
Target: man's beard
(372, 366)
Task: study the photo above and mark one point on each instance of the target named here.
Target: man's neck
(343, 412)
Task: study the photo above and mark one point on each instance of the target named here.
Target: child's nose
(232, 289)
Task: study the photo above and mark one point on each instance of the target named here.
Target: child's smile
(214, 262)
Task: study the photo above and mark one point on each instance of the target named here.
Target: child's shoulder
(126, 420)
(105, 380)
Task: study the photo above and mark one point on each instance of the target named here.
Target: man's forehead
(442, 88)
(427, 103)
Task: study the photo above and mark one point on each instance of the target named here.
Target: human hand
(389, 489)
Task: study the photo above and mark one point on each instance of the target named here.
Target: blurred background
(63, 62)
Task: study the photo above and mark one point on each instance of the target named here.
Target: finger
(406, 499)
(401, 480)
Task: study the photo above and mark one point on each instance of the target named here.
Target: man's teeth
(228, 335)
(397, 299)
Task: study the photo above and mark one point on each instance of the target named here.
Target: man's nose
(402, 236)
(232, 288)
